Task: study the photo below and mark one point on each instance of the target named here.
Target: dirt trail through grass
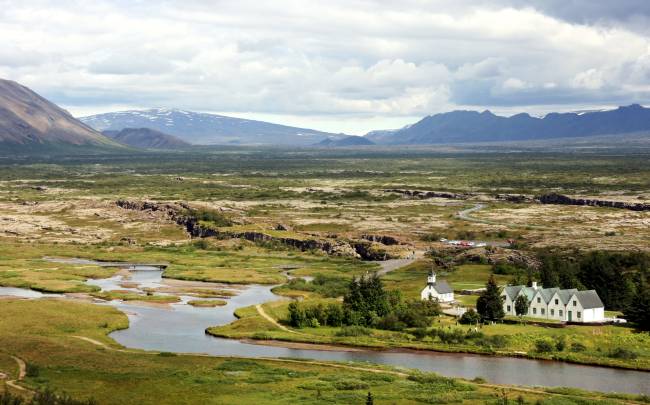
(22, 372)
(268, 317)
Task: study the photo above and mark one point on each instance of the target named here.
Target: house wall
(428, 291)
(538, 309)
(594, 315)
(507, 302)
(557, 311)
(576, 309)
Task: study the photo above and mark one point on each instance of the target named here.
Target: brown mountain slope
(27, 118)
(146, 138)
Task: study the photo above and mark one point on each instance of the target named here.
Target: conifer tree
(490, 305)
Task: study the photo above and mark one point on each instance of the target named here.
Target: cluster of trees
(619, 278)
(366, 303)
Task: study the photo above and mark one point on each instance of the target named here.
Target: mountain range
(146, 138)
(473, 126)
(29, 121)
(203, 128)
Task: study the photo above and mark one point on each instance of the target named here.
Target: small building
(568, 305)
(438, 290)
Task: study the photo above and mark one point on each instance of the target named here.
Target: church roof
(441, 287)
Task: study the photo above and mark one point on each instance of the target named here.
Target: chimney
(534, 285)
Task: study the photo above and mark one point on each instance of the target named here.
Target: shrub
(354, 330)
(578, 347)
(347, 385)
(391, 322)
(623, 354)
(470, 317)
(32, 370)
(498, 341)
(420, 333)
(560, 344)
(543, 346)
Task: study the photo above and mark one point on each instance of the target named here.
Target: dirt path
(22, 372)
(393, 264)
(266, 316)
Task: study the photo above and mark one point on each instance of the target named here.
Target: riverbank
(516, 340)
(50, 346)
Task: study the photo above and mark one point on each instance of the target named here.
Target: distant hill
(201, 128)
(473, 126)
(344, 141)
(28, 121)
(146, 138)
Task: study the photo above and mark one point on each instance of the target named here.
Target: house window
(556, 301)
(508, 308)
(578, 313)
(538, 300)
(575, 303)
(535, 311)
(561, 313)
(552, 312)
(542, 311)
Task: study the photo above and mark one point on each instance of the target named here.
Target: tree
(297, 316)
(490, 305)
(469, 317)
(521, 306)
(638, 311)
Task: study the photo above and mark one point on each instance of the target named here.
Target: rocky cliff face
(554, 198)
(363, 249)
(428, 194)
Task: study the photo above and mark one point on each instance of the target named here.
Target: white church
(438, 290)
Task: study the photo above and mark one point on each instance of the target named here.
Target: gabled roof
(589, 299)
(547, 293)
(442, 287)
(565, 295)
(512, 291)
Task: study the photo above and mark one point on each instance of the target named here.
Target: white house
(439, 290)
(568, 305)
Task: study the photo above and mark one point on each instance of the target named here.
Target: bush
(560, 344)
(354, 331)
(420, 333)
(347, 385)
(498, 341)
(391, 322)
(578, 347)
(470, 317)
(32, 370)
(543, 346)
(623, 354)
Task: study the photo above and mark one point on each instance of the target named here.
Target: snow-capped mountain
(202, 128)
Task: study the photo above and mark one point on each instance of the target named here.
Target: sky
(342, 66)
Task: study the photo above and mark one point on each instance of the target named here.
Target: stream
(181, 328)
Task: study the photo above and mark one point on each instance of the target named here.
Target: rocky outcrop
(419, 194)
(363, 249)
(383, 239)
(515, 198)
(554, 198)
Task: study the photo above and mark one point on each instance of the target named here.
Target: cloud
(358, 58)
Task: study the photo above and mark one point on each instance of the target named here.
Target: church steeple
(432, 277)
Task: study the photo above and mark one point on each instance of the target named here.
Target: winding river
(181, 328)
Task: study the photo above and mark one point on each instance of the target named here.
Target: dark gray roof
(565, 295)
(547, 293)
(442, 287)
(513, 290)
(589, 299)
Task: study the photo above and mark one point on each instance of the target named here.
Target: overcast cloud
(350, 66)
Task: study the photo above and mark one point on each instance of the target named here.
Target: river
(181, 328)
